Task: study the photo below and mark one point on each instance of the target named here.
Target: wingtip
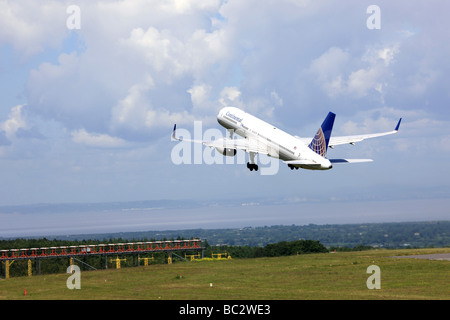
(174, 130)
(398, 124)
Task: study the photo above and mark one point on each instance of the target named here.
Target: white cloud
(276, 98)
(136, 113)
(386, 54)
(189, 6)
(106, 86)
(173, 56)
(166, 118)
(329, 68)
(229, 96)
(31, 26)
(131, 110)
(158, 49)
(360, 82)
(15, 122)
(200, 97)
(333, 71)
(96, 140)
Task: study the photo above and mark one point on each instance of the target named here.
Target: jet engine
(227, 151)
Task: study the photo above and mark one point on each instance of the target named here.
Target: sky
(90, 91)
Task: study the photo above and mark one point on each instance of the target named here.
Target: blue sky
(86, 114)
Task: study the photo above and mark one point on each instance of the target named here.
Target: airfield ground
(341, 275)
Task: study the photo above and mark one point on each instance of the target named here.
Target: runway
(437, 256)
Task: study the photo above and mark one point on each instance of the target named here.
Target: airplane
(260, 137)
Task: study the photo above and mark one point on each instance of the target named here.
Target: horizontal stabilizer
(349, 160)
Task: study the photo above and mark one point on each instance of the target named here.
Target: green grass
(313, 276)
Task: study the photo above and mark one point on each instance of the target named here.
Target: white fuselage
(279, 144)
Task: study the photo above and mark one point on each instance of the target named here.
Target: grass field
(313, 276)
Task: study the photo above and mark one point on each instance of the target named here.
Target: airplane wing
(334, 141)
(247, 145)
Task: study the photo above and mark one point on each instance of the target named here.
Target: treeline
(380, 235)
(283, 248)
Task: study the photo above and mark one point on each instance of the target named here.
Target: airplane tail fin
(319, 143)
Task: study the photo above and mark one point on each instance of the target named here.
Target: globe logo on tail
(318, 144)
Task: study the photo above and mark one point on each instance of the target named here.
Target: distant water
(17, 223)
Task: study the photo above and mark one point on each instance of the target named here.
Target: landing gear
(252, 166)
(292, 167)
